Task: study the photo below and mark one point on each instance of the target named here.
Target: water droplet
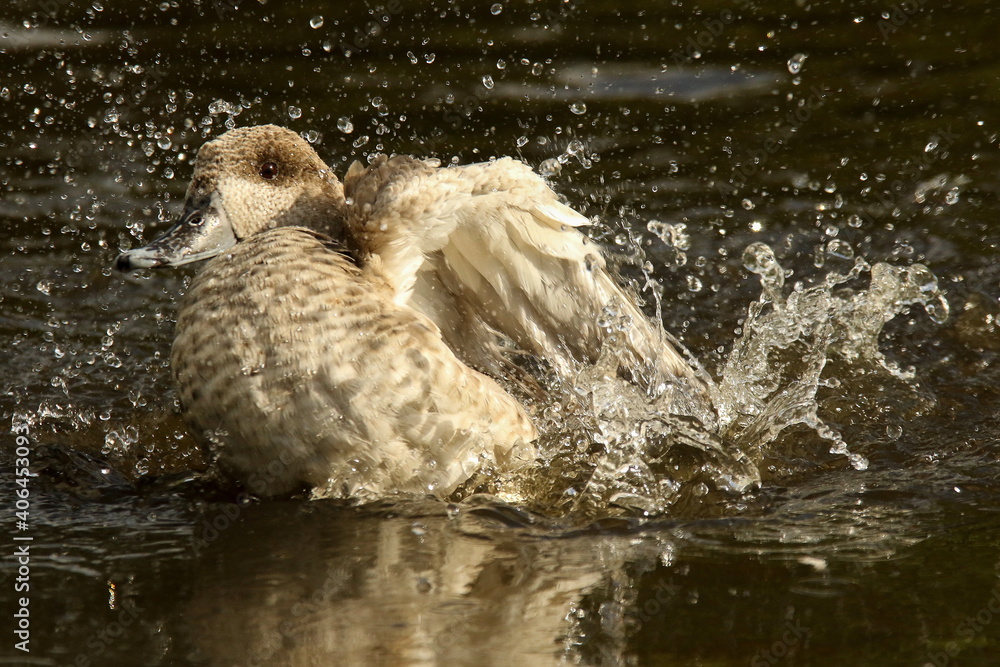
(488, 82)
(894, 431)
(294, 112)
(840, 249)
(496, 8)
(675, 236)
(579, 108)
(795, 63)
(316, 22)
(858, 462)
(345, 125)
(550, 168)
(759, 258)
(521, 141)
(937, 309)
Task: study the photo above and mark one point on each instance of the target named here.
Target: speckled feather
(302, 367)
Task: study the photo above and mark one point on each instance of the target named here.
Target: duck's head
(246, 181)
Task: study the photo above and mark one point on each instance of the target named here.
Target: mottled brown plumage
(294, 361)
(301, 361)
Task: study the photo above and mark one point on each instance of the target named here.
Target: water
(807, 194)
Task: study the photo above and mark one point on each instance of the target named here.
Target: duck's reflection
(317, 584)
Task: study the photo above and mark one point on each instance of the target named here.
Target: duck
(295, 359)
(484, 256)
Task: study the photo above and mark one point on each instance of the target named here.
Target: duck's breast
(297, 364)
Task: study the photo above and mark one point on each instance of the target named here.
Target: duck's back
(297, 365)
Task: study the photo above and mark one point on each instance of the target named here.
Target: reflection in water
(331, 587)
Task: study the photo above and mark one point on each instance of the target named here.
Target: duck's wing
(494, 240)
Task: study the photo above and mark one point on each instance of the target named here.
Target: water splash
(614, 447)
(772, 374)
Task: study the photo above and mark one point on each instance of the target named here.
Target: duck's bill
(201, 234)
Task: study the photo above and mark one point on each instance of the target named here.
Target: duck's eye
(269, 170)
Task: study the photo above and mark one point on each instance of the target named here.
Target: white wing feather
(493, 239)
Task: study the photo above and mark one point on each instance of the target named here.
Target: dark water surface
(828, 130)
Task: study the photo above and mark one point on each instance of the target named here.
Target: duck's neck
(332, 220)
(320, 207)
(330, 210)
